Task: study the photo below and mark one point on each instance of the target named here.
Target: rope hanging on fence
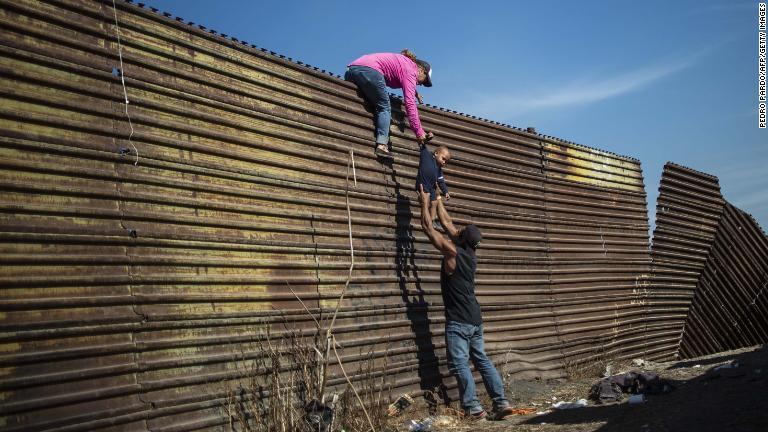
(122, 80)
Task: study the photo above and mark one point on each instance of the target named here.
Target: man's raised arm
(446, 220)
(439, 241)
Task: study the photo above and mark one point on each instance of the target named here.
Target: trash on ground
(730, 365)
(612, 389)
(420, 426)
(581, 403)
(318, 415)
(523, 411)
(608, 370)
(606, 391)
(636, 398)
(399, 405)
(697, 366)
(444, 421)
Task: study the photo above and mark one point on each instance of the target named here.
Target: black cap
(427, 70)
(470, 236)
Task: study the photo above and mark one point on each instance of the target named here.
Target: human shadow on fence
(416, 306)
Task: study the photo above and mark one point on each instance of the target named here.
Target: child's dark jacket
(429, 174)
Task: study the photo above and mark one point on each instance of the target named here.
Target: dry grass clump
(276, 386)
(281, 389)
(591, 366)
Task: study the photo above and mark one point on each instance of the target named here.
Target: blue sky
(656, 80)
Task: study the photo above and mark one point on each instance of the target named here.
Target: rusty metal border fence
(709, 267)
(729, 310)
(687, 213)
(136, 265)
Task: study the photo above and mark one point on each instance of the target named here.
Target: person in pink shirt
(372, 73)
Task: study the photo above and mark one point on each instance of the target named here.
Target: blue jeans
(462, 342)
(371, 83)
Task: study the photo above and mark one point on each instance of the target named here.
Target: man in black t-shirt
(463, 321)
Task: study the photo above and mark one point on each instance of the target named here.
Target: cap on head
(470, 236)
(427, 72)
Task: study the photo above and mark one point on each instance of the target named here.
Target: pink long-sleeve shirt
(399, 72)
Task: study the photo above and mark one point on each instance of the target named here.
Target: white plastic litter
(422, 426)
(443, 421)
(581, 403)
(731, 365)
(608, 371)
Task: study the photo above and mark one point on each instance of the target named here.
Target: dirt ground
(704, 399)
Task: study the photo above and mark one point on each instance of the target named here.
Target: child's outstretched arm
(442, 185)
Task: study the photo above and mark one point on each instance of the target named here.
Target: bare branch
(362, 405)
(329, 333)
(305, 306)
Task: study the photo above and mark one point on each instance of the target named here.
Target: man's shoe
(477, 416)
(503, 413)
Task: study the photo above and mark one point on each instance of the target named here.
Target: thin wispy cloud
(606, 88)
(577, 92)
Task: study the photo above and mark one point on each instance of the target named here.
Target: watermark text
(761, 88)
